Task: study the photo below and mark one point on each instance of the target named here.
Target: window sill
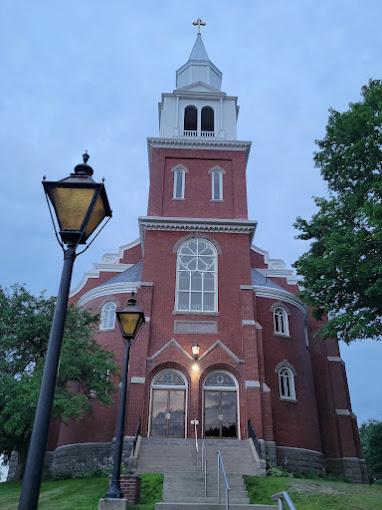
(282, 335)
(216, 200)
(106, 330)
(176, 198)
(195, 312)
(291, 400)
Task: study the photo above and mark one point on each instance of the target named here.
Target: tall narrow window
(280, 318)
(179, 178)
(196, 276)
(190, 118)
(207, 119)
(286, 384)
(217, 185)
(108, 316)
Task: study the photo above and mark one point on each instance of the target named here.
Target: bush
(278, 472)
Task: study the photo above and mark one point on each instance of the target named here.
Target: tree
(342, 270)
(84, 374)
(370, 433)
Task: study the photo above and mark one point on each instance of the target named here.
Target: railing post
(281, 504)
(226, 499)
(218, 480)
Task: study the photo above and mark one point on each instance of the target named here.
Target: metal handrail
(281, 497)
(204, 466)
(137, 433)
(252, 435)
(227, 487)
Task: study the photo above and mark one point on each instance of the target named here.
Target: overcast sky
(88, 74)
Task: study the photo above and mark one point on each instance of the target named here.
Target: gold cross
(199, 22)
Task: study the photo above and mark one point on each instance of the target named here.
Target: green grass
(316, 494)
(80, 494)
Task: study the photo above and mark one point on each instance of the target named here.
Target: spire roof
(199, 51)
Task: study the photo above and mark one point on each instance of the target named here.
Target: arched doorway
(168, 404)
(220, 401)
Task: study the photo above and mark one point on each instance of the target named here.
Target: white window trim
(102, 327)
(179, 311)
(286, 322)
(222, 388)
(166, 387)
(292, 397)
(176, 170)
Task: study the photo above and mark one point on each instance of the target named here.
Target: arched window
(108, 316)
(207, 119)
(280, 319)
(217, 185)
(220, 396)
(196, 286)
(179, 182)
(190, 118)
(168, 404)
(286, 384)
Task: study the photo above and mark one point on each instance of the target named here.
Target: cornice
(282, 295)
(195, 225)
(198, 144)
(110, 264)
(107, 290)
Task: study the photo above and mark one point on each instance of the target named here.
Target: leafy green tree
(84, 373)
(370, 433)
(342, 270)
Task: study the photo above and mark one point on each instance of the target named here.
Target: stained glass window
(169, 378)
(219, 379)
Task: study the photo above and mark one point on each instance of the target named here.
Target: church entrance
(220, 406)
(168, 404)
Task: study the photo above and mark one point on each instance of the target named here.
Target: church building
(227, 341)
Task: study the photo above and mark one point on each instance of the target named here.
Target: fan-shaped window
(108, 316)
(196, 288)
(286, 384)
(280, 319)
(207, 119)
(190, 118)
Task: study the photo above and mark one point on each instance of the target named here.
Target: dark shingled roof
(131, 275)
(260, 280)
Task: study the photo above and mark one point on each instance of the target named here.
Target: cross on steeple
(198, 22)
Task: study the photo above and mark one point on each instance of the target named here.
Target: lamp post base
(112, 504)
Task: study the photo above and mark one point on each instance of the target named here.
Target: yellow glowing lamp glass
(79, 202)
(130, 319)
(195, 350)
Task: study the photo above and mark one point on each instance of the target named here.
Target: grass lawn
(316, 494)
(80, 494)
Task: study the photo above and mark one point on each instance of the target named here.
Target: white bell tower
(197, 108)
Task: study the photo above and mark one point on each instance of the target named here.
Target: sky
(87, 75)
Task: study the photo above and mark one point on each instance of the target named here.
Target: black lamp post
(80, 205)
(130, 320)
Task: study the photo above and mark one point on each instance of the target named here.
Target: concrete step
(211, 506)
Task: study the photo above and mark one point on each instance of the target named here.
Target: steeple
(199, 68)
(198, 108)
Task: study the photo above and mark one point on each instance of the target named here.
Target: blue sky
(87, 74)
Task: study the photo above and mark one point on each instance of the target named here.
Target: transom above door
(220, 396)
(168, 404)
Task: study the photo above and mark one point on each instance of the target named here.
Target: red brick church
(199, 279)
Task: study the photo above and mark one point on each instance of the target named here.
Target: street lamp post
(130, 320)
(80, 205)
